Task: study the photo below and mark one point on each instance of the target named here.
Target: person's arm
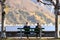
(29, 27)
(24, 27)
(39, 26)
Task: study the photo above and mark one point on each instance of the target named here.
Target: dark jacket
(27, 29)
(37, 30)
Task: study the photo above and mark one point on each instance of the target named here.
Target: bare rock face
(21, 11)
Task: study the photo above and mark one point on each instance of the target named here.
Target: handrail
(30, 29)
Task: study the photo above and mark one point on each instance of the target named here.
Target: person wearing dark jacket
(37, 30)
(27, 29)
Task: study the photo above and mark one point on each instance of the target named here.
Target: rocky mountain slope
(21, 11)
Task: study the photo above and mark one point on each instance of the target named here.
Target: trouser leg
(36, 36)
(26, 35)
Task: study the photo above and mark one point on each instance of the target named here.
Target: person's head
(37, 24)
(26, 23)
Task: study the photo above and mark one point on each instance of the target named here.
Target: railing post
(3, 16)
(20, 33)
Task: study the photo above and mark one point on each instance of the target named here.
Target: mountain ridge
(21, 11)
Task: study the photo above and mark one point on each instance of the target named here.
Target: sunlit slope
(21, 11)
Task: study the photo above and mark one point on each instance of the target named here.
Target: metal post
(20, 32)
(3, 16)
(2, 21)
(56, 18)
(41, 32)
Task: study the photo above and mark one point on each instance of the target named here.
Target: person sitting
(27, 29)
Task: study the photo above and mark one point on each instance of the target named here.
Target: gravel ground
(30, 39)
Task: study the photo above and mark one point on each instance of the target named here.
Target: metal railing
(30, 30)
